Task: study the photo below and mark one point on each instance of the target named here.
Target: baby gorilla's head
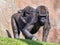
(28, 10)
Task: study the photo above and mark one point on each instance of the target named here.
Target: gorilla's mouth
(42, 19)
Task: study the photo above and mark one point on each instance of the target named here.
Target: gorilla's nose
(43, 20)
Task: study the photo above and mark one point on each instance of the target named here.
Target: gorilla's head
(28, 11)
(42, 13)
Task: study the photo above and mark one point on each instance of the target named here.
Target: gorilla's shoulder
(16, 15)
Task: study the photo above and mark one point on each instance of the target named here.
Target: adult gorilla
(24, 21)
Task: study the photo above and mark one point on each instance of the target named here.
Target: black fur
(43, 18)
(29, 20)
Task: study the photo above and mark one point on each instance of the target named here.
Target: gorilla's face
(42, 13)
(42, 18)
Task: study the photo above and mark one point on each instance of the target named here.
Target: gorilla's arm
(28, 28)
(14, 27)
(46, 29)
(26, 32)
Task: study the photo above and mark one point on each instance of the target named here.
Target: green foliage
(9, 41)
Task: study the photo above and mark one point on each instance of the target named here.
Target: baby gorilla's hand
(34, 38)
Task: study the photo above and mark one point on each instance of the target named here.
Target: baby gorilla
(24, 21)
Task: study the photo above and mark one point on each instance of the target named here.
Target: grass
(10, 41)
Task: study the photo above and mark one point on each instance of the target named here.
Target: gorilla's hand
(34, 38)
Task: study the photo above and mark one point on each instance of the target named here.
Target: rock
(3, 32)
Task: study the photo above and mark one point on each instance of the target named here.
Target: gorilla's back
(22, 23)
